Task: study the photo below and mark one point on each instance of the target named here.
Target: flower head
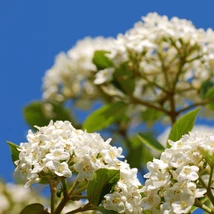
(60, 150)
(70, 75)
(177, 177)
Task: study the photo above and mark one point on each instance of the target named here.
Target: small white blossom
(183, 204)
(188, 173)
(103, 76)
(60, 169)
(58, 154)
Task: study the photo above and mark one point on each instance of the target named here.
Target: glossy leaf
(183, 125)
(137, 153)
(210, 93)
(101, 60)
(205, 87)
(36, 114)
(134, 157)
(34, 209)
(104, 116)
(150, 116)
(148, 140)
(210, 96)
(102, 183)
(124, 79)
(14, 151)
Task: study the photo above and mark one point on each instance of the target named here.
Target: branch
(147, 104)
(86, 207)
(65, 199)
(204, 102)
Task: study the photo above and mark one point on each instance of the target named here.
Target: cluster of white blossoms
(164, 55)
(166, 60)
(71, 73)
(14, 197)
(60, 150)
(182, 175)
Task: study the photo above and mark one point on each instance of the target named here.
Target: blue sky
(34, 32)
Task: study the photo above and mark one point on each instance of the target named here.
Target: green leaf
(205, 87)
(36, 113)
(137, 153)
(14, 151)
(148, 140)
(133, 157)
(124, 79)
(34, 209)
(104, 180)
(210, 94)
(150, 116)
(104, 116)
(101, 60)
(183, 125)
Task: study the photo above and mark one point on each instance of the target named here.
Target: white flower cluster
(60, 150)
(167, 61)
(126, 197)
(71, 73)
(181, 175)
(164, 55)
(13, 198)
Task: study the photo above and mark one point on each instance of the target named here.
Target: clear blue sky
(32, 33)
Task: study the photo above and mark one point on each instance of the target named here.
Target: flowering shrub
(159, 64)
(155, 72)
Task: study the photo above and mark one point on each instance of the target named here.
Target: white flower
(183, 204)
(151, 200)
(115, 202)
(188, 173)
(85, 168)
(60, 169)
(58, 154)
(197, 192)
(103, 76)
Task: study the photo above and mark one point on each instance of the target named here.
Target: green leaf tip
(14, 151)
(148, 140)
(35, 208)
(104, 116)
(36, 114)
(101, 60)
(102, 183)
(183, 125)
